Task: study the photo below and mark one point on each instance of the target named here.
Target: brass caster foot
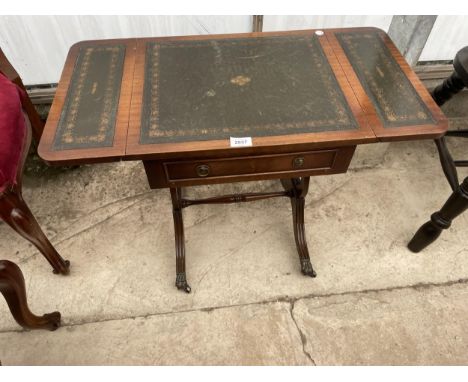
(306, 268)
(53, 320)
(181, 283)
(63, 271)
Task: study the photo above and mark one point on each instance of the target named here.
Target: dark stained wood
(256, 87)
(13, 289)
(447, 163)
(458, 201)
(89, 154)
(234, 198)
(16, 213)
(36, 123)
(447, 89)
(195, 147)
(89, 115)
(273, 166)
(8, 70)
(292, 142)
(163, 174)
(456, 204)
(414, 131)
(298, 188)
(441, 94)
(392, 94)
(181, 277)
(129, 118)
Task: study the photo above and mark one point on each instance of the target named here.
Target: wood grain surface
(127, 142)
(89, 154)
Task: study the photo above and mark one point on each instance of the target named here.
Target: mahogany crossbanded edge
(393, 133)
(127, 134)
(427, 131)
(295, 142)
(90, 155)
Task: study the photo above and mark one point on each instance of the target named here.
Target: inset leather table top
(214, 89)
(157, 97)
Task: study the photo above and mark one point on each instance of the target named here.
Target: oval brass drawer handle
(203, 170)
(298, 162)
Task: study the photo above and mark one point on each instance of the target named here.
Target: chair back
(9, 71)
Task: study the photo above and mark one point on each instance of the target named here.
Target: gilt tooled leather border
(97, 73)
(396, 100)
(150, 123)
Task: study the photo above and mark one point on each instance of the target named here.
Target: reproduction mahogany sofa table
(226, 108)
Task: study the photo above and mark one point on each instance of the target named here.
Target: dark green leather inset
(214, 89)
(90, 110)
(396, 101)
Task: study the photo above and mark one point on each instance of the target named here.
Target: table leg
(456, 204)
(13, 289)
(181, 278)
(298, 188)
(448, 165)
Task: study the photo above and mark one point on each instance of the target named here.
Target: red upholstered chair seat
(17, 119)
(12, 131)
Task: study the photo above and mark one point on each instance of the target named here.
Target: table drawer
(260, 167)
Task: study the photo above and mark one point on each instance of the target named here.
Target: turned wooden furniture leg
(448, 165)
(181, 278)
(456, 204)
(441, 94)
(14, 211)
(13, 289)
(298, 188)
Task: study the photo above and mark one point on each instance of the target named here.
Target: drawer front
(259, 167)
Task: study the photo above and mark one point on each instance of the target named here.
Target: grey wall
(276, 23)
(448, 36)
(38, 45)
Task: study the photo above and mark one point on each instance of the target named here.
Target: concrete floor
(373, 301)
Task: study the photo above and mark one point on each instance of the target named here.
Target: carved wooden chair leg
(15, 212)
(448, 165)
(429, 232)
(298, 188)
(181, 278)
(13, 289)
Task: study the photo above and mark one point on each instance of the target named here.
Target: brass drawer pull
(203, 170)
(298, 162)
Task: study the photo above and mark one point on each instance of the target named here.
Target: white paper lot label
(241, 142)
